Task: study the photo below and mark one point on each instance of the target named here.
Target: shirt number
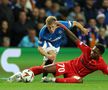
(62, 67)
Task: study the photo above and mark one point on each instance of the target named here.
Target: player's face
(95, 53)
(52, 27)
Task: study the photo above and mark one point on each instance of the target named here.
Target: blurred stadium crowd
(21, 20)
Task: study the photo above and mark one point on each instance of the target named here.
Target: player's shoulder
(43, 30)
(101, 58)
(84, 46)
(82, 43)
(63, 22)
(68, 24)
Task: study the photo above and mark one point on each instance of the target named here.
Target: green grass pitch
(31, 57)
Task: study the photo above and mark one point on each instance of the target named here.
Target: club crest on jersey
(60, 32)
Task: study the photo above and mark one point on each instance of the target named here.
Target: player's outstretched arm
(69, 33)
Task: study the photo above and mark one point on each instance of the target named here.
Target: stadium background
(17, 17)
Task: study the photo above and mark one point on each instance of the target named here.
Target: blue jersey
(54, 38)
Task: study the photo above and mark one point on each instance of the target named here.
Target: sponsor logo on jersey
(56, 39)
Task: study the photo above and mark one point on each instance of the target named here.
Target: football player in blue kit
(50, 38)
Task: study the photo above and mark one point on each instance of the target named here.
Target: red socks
(37, 70)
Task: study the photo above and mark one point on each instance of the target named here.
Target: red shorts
(64, 68)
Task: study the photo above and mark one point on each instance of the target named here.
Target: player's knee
(78, 78)
(52, 52)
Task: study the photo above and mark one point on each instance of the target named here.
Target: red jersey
(83, 65)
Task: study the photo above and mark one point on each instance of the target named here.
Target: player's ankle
(44, 79)
(15, 77)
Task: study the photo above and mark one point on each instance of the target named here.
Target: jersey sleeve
(82, 46)
(68, 24)
(103, 67)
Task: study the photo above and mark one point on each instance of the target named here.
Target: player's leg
(48, 61)
(50, 49)
(42, 69)
(61, 69)
(74, 79)
(15, 77)
(36, 70)
(64, 68)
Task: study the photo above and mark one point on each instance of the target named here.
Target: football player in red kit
(74, 70)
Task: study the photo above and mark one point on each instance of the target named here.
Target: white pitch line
(3, 78)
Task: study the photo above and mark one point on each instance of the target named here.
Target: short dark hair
(100, 47)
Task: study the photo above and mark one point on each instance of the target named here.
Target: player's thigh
(52, 52)
(62, 68)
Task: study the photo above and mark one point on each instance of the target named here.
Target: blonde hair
(50, 19)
